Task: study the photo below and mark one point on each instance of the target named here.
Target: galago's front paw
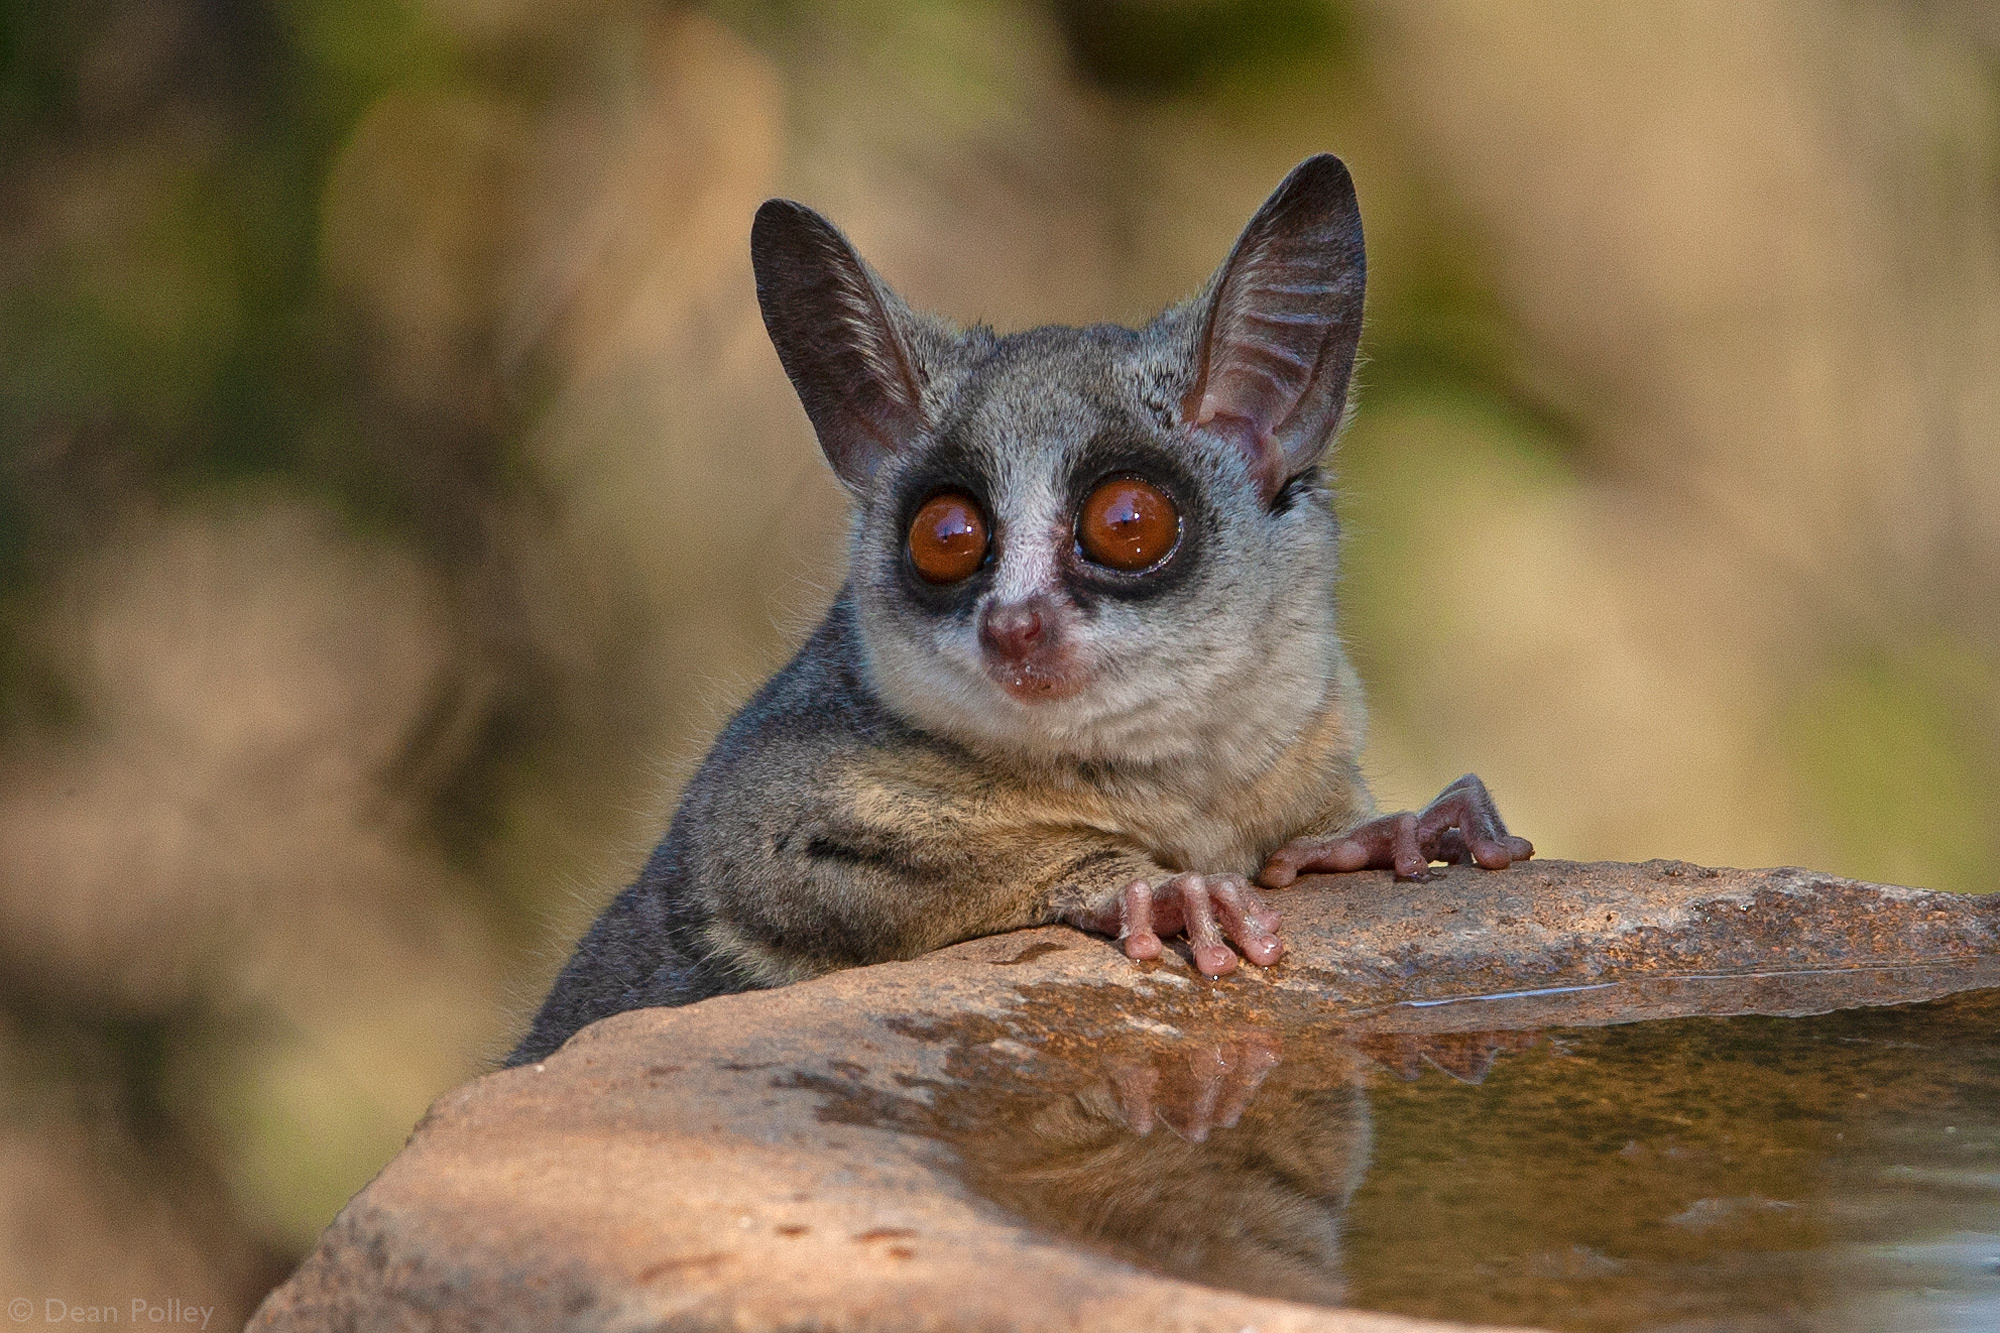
(1206, 908)
(1460, 826)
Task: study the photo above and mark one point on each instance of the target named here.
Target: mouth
(1033, 682)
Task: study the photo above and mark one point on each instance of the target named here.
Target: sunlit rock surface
(1032, 1132)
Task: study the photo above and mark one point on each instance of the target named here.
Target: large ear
(1284, 316)
(840, 333)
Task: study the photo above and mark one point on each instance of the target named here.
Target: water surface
(1839, 1172)
(1516, 1160)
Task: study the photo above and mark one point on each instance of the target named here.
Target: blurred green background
(396, 486)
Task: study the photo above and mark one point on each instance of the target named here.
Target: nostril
(1012, 631)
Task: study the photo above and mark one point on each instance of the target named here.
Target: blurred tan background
(397, 489)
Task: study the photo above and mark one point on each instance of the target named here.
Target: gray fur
(883, 795)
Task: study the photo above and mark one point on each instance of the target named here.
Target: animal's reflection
(1224, 1158)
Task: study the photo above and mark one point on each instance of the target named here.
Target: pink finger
(1482, 839)
(1141, 943)
(1211, 955)
(1285, 865)
(1409, 860)
(1255, 910)
(1347, 854)
(1281, 868)
(1253, 930)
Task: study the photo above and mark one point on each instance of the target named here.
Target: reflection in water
(1750, 1173)
(1214, 1160)
(1219, 1154)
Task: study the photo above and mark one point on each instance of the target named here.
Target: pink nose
(1012, 631)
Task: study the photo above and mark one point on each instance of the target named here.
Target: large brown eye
(1128, 524)
(948, 538)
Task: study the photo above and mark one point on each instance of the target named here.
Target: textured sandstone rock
(971, 1140)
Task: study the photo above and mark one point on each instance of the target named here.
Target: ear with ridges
(1283, 320)
(842, 336)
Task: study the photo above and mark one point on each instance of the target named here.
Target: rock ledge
(828, 1156)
